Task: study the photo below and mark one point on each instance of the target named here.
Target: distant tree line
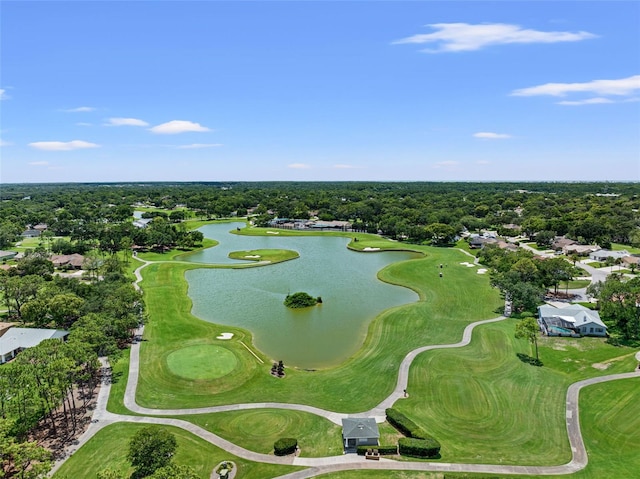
(417, 212)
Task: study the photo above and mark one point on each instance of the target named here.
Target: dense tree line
(50, 384)
(418, 212)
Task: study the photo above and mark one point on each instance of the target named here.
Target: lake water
(252, 298)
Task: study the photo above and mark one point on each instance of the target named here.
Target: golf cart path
(322, 465)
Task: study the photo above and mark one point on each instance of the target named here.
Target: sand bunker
(482, 271)
(252, 256)
(369, 248)
(467, 264)
(225, 336)
(273, 232)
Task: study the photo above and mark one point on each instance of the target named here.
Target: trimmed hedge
(285, 446)
(408, 446)
(405, 425)
(382, 450)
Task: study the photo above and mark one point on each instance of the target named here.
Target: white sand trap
(467, 264)
(369, 248)
(273, 232)
(225, 336)
(252, 256)
(482, 271)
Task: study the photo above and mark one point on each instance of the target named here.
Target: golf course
(210, 383)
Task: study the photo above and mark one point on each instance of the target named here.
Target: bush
(382, 450)
(285, 446)
(408, 446)
(405, 425)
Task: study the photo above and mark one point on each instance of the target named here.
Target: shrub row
(382, 450)
(418, 447)
(405, 425)
(285, 446)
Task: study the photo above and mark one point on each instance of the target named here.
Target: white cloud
(3, 94)
(299, 166)
(5, 143)
(487, 135)
(194, 146)
(177, 126)
(82, 123)
(621, 87)
(80, 109)
(62, 145)
(39, 163)
(126, 122)
(449, 165)
(458, 37)
(588, 101)
(346, 167)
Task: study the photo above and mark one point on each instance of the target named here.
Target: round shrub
(285, 446)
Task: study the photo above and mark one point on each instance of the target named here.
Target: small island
(301, 300)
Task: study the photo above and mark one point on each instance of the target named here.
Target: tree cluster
(619, 304)
(523, 279)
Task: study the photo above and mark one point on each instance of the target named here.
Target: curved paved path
(102, 418)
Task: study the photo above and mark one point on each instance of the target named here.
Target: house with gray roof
(6, 255)
(359, 431)
(15, 340)
(572, 320)
(604, 254)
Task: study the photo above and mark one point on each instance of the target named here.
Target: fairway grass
(445, 307)
(258, 429)
(192, 451)
(481, 402)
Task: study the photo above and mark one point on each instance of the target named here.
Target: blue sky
(302, 90)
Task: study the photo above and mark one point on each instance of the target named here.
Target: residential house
(560, 242)
(572, 320)
(508, 246)
(67, 261)
(15, 340)
(359, 432)
(7, 255)
(634, 260)
(31, 233)
(580, 249)
(604, 254)
(142, 222)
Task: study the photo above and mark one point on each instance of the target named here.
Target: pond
(252, 298)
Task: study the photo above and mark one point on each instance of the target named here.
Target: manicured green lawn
(258, 429)
(486, 406)
(271, 255)
(574, 284)
(610, 422)
(446, 306)
(481, 402)
(202, 361)
(108, 449)
(174, 254)
(630, 249)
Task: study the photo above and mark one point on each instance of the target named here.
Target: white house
(572, 320)
(15, 340)
(603, 254)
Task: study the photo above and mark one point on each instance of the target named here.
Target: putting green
(204, 361)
